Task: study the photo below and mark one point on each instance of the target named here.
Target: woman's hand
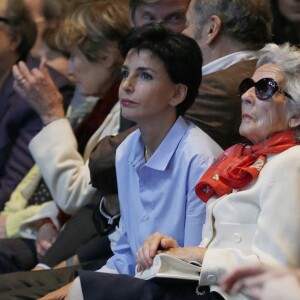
(39, 90)
(59, 294)
(46, 236)
(233, 281)
(71, 261)
(188, 254)
(158, 243)
(154, 243)
(3, 227)
(263, 283)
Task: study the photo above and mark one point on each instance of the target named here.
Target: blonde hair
(96, 28)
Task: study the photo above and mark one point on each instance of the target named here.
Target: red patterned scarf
(240, 164)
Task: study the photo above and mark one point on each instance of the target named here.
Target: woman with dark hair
(156, 164)
(160, 82)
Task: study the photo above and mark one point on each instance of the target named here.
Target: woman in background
(48, 16)
(18, 122)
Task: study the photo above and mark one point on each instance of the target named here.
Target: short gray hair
(247, 21)
(287, 58)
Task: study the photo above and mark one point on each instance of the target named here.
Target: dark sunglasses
(265, 88)
(5, 20)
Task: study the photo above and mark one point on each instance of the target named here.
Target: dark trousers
(34, 284)
(77, 232)
(100, 286)
(20, 254)
(17, 254)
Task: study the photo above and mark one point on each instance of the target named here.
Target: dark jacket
(217, 108)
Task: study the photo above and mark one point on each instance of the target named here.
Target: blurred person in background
(18, 122)
(286, 26)
(48, 16)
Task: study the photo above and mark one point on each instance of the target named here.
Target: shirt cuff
(46, 267)
(106, 269)
(110, 219)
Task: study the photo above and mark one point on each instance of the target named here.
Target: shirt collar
(228, 60)
(163, 154)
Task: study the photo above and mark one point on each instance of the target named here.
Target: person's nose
(128, 84)
(249, 96)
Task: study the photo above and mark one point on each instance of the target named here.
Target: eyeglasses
(265, 88)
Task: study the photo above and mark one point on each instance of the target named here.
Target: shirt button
(145, 218)
(236, 237)
(211, 278)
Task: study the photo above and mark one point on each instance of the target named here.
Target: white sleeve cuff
(110, 219)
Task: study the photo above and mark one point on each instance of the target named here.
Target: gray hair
(287, 58)
(247, 21)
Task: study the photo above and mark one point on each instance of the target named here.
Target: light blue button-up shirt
(159, 195)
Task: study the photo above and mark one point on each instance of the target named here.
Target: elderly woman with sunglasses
(252, 191)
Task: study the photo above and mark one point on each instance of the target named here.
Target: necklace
(146, 154)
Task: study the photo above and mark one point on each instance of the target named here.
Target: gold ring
(21, 80)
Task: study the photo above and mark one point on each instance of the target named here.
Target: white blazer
(64, 170)
(257, 224)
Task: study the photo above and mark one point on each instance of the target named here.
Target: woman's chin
(248, 132)
(128, 116)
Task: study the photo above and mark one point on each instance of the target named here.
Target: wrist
(56, 113)
(49, 119)
(45, 221)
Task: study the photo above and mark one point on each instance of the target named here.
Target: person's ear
(214, 29)
(294, 121)
(179, 94)
(109, 59)
(131, 18)
(15, 42)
